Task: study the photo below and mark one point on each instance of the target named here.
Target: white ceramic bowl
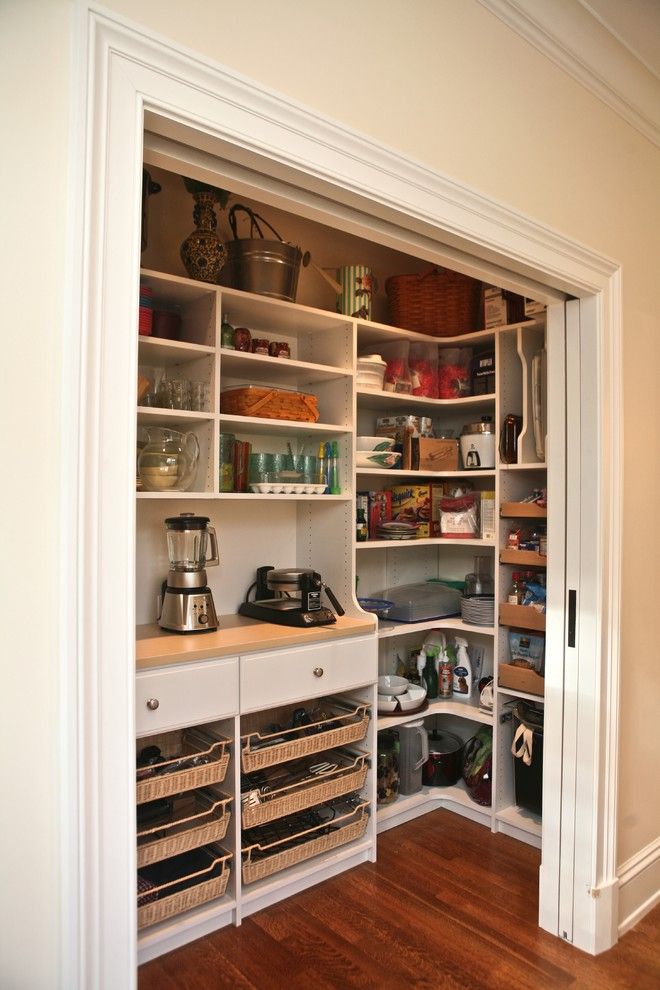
(412, 698)
(387, 703)
(391, 684)
(374, 443)
(377, 458)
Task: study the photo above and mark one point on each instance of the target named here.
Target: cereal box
(417, 504)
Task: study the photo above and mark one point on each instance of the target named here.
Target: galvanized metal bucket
(254, 264)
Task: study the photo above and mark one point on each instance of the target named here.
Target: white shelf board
(280, 427)
(175, 288)
(278, 371)
(370, 333)
(278, 315)
(156, 350)
(520, 694)
(422, 476)
(537, 466)
(409, 806)
(371, 399)
(388, 629)
(155, 416)
(167, 496)
(440, 706)
(285, 878)
(182, 928)
(430, 541)
(520, 818)
(257, 496)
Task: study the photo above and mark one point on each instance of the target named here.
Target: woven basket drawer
(174, 779)
(198, 819)
(289, 800)
(166, 905)
(274, 862)
(268, 749)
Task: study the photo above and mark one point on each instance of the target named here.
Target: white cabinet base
(409, 806)
(184, 928)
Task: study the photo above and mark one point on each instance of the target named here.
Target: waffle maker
(289, 597)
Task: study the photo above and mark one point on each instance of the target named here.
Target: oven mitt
(522, 744)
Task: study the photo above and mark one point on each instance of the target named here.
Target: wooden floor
(448, 905)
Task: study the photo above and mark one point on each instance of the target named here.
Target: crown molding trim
(569, 35)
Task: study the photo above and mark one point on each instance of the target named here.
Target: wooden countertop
(156, 647)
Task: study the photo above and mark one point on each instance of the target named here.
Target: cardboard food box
(426, 454)
(487, 515)
(520, 679)
(502, 307)
(418, 504)
(379, 511)
(534, 308)
(398, 427)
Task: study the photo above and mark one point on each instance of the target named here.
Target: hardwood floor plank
(448, 906)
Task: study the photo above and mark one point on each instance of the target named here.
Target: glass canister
(387, 772)
(227, 441)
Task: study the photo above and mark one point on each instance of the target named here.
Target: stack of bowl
(376, 452)
(397, 694)
(370, 372)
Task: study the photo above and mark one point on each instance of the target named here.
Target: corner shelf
(523, 510)
(522, 617)
(523, 558)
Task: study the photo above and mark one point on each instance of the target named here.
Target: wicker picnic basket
(269, 403)
(437, 302)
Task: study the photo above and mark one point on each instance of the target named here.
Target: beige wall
(441, 81)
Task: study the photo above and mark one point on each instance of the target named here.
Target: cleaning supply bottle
(430, 674)
(446, 666)
(463, 669)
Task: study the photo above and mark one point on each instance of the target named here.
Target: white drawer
(171, 697)
(269, 679)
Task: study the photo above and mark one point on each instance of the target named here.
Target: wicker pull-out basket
(270, 403)
(437, 302)
(164, 900)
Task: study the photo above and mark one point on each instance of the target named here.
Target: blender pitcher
(187, 538)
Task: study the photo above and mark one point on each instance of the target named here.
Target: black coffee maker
(289, 597)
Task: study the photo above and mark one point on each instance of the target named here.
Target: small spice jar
(260, 345)
(279, 349)
(242, 339)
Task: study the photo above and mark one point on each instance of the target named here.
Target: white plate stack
(478, 610)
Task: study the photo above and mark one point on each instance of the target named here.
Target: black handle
(572, 601)
(337, 607)
(254, 222)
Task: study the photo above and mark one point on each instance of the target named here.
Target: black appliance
(289, 597)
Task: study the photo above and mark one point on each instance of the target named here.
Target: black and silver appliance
(187, 601)
(289, 597)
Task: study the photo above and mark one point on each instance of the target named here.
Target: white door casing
(126, 73)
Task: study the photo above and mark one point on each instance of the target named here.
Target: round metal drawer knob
(318, 671)
(152, 704)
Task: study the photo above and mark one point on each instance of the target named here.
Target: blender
(187, 601)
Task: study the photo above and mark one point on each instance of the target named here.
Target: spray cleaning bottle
(463, 669)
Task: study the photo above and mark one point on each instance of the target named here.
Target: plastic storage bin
(528, 776)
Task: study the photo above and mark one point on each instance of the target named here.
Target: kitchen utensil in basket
(437, 302)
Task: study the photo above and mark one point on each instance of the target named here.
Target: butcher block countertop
(156, 647)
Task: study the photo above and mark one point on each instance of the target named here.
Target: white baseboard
(639, 886)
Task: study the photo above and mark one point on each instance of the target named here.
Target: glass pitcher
(169, 460)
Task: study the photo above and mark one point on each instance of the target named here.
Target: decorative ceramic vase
(202, 252)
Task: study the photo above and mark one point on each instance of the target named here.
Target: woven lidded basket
(437, 302)
(270, 403)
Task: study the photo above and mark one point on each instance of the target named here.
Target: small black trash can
(528, 776)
